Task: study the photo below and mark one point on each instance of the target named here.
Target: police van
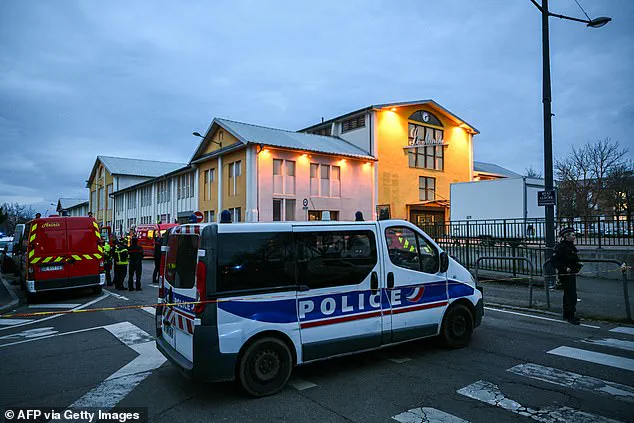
(251, 301)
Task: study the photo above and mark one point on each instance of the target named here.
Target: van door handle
(390, 280)
(374, 283)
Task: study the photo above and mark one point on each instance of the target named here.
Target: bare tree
(15, 213)
(583, 177)
(620, 187)
(533, 173)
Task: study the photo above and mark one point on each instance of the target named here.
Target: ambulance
(250, 301)
(61, 252)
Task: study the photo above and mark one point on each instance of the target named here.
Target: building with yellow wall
(421, 149)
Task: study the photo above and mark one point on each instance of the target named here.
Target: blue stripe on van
(459, 289)
(279, 311)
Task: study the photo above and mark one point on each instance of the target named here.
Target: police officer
(157, 260)
(136, 264)
(566, 261)
(225, 216)
(107, 261)
(120, 264)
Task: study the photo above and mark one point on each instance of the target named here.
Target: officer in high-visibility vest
(120, 264)
(107, 261)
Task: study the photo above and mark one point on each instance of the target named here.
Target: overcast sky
(134, 79)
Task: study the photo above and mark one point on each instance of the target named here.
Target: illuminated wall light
(342, 161)
(393, 109)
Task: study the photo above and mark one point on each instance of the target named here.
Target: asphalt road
(108, 358)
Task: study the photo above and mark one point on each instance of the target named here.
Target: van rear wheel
(265, 367)
(457, 326)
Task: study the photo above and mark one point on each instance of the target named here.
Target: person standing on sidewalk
(566, 261)
(136, 263)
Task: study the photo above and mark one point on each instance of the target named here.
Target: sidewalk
(8, 299)
(600, 299)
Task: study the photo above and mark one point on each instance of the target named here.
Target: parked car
(6, 254)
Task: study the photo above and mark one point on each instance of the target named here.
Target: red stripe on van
(416, 308)
(341, 319)
(190, 328)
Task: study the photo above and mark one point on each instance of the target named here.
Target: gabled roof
(254, 134)
(430, 102)
(134, 167)
(69, 203)
(494, 169)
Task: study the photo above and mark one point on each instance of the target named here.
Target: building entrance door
(430, 221)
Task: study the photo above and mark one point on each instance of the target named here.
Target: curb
(15, 301)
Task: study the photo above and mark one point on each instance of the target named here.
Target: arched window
(425, 118)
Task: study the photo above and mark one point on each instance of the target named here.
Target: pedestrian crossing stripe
(574, 381)
(491, 394)
(612, 343)
(427, 415)
(595, 357)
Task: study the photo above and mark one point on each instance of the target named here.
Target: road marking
(539, 317)
(11, 322)
(574, 381)
(595, 357)
(117, 295)
(118, 385)
(490, 394)
(43, 319)
(427, 415)
(612, 343)
(399, 360)
(150, 310)
(43, 336)
(301, 384)
(625, 330)
(154, 285)
(54, 305)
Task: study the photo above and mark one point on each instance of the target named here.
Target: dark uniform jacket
(157, 253)
(565, 256)
(136, 253)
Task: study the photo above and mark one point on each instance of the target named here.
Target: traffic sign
(305, 202)
(199, 216)
(546, 198)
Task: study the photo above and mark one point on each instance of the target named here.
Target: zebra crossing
(613, 355)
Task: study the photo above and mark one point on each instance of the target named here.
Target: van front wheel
(457, 326)
(265, 367)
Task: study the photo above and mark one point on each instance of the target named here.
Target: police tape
(623, 268)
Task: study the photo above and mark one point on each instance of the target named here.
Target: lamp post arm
(570, 18)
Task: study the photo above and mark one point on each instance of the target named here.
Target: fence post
(599, 230)
(626, 294)
(467, 247)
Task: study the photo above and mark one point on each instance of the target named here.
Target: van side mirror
(444, 262)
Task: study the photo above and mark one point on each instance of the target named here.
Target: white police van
(250, 301)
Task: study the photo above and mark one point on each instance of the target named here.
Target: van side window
(255, 260)
(326, 259)
(182, 259)
(408, 249)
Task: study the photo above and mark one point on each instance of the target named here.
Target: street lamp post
(549, 212)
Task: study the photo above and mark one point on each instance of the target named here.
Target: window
(190, 192)
(210, 216)
(287, 205)
(185, 188)
(181, 260)
(324, 185)
(431, 157)
(336, 181)
(410, 250)
(163, 191)
(353, 123)
(326, 259)
(101, 199)
(319, 214)
(255, 260)
(235, 170)
(283, 176)
(93, 202)
(131, 199)
(236, 214)
(146, 196)
(324, 130)
(131, 222)
(206, 189)
(314, 179)
(426, 188)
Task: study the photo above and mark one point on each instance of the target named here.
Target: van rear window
(181, 260)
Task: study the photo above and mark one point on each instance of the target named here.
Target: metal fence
(468, 240)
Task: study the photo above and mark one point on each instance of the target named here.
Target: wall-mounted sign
(424, 136)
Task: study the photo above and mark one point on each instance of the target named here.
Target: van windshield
(182, 257)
